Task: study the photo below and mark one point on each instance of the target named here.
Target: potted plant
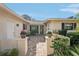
(23, 34)
(49, 34)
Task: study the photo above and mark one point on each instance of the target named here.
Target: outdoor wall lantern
(17, 25)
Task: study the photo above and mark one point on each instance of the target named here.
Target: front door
(34, 29)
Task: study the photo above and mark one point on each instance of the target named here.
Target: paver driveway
(33, 40)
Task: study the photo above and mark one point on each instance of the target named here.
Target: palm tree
(77, 16)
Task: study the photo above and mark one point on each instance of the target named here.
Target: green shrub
(74, 51)
(63, 32)
(74, 38)
(5, 52)
(28, 34)
(10, 52)
(49, 33)
(56, 31)
(23, 34)
(14, 52)
(61, 46)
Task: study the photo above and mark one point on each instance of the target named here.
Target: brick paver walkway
(33, 40)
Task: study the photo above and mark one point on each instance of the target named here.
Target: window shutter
(74, 25)
(23, 26)
(62, 26)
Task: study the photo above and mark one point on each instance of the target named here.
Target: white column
(39, 28)
(44, 29)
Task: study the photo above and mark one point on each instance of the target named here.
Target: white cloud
(73, 6)
(70, 10)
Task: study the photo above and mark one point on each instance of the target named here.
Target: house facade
(54, 24)
(11, 24)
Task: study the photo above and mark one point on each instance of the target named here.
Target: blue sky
(42, 11)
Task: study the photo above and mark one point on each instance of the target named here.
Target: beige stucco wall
(20, 44)
(78, 25)
(57, 24)
(49, 44)
(54, 26)
(6, 17)
(1, 30)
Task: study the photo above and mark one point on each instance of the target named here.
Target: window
(24, 27)
(68, 26)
